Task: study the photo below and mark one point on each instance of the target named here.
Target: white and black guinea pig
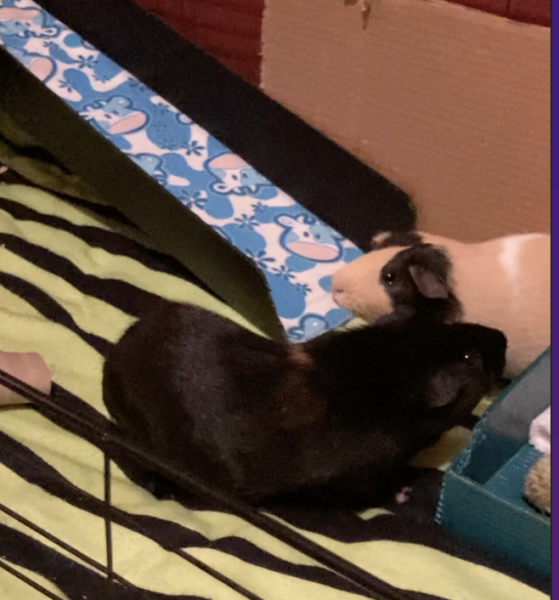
(504, 283)
(343, 413)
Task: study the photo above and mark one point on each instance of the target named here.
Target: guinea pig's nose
(338, 294)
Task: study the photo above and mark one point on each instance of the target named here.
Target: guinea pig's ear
(428, 283)
(385, 239)
(379, 239)
(442, 390)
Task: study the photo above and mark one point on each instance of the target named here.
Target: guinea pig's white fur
(503, 283)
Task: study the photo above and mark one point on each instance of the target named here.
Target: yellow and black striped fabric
(73, 276)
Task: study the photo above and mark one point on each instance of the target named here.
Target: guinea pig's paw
(403, 495)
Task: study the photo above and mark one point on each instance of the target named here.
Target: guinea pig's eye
(471, 358)
(389, 277)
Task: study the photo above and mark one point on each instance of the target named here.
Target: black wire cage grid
(111, 443)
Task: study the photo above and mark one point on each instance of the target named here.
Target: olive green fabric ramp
(72, 279)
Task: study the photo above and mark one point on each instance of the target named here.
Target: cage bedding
(73, 276)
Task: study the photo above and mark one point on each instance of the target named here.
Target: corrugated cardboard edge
(450, 103)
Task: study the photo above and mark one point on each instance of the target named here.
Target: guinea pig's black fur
(417, 282)
(342, 413)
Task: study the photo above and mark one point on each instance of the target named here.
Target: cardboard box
(451, 103)
(482, 496)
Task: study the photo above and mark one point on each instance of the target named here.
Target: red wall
(537, 12)
(230, 30)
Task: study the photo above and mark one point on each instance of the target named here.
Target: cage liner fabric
(74, 275)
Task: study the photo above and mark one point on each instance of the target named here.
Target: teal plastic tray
(481, 499)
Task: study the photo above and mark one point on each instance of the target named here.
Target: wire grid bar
(67, 547)
(108, 570)
(29, 581)
(107, 517)
(107, 439)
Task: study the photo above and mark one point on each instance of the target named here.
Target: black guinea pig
(342, 413)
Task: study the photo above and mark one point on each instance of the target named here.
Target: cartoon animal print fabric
(296, 252)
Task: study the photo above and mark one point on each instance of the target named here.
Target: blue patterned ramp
(296, 252)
